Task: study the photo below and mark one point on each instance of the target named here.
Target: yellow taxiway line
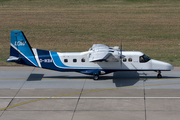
(85, 92)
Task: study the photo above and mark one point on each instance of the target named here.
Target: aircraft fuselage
(100, 59)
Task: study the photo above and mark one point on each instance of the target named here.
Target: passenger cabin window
(130, 59)
(74, 60)
(124, 59)
(65, 60)
(82, 60)
(144, 58)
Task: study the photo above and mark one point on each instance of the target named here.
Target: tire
(159, 76)
(96, 77)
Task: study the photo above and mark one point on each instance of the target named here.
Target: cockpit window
(144, 58)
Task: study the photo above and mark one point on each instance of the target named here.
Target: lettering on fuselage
(19, 43)
(46, 60)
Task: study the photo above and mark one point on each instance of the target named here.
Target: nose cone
(159, 65)
(171, 67)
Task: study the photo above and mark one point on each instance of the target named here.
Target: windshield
(144, 58)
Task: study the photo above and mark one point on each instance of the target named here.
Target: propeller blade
(121, 53)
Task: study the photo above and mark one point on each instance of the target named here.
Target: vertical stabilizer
(20, 50)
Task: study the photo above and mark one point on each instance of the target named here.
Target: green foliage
(4, 0)
(75, 25)
(138, 0)
(151, 1)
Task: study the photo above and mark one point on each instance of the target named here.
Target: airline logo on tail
(19, 43)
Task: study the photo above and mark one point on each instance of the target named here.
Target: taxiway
(32, 93)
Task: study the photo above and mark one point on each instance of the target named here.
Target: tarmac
(28, 93)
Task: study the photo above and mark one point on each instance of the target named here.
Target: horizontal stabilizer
(13, 59)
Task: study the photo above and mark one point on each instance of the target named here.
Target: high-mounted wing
(99, 56)
(101, 52)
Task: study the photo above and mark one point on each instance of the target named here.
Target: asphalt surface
(28, 93)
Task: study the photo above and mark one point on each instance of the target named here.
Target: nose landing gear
(159, 74)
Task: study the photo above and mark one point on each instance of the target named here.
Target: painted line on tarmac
(83, 92)
(90, 97)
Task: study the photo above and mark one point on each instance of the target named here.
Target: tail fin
(20, 50)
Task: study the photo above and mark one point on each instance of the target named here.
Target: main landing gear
(95, 76)
(159, 74)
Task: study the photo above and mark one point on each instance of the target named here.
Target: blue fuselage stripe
(57, 60)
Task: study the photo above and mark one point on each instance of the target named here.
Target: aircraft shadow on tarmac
(129, 78)
(120, 79)
(125, 78)
(35, 77)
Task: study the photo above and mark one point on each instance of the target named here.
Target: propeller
(121, 56)
(121, 53)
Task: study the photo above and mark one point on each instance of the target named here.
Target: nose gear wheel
(159, 74)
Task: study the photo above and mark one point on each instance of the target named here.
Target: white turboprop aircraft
(100, 59)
